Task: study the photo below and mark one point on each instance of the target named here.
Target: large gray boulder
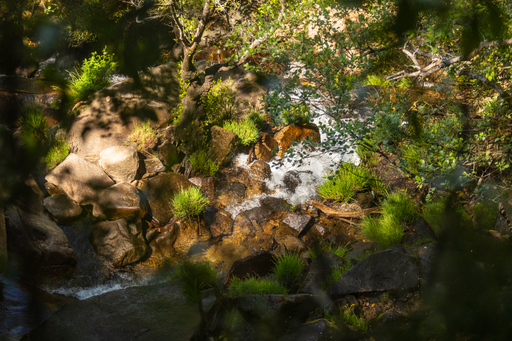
(79, 179)
(39, 243)
(62, 208)
(118, 201)
(120, 242)
(120, 163)
(158, 312)
(382, 271)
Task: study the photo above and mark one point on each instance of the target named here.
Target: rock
(426, 255)
(157, 312)
(118, 201)
(291, 180)
(120, 163)
(222, 145)
(79, 179)
(159, 191)
(110, 117)
(420, 232)
(258, 264)
(382, 271)
(290, 134)
(153, 165)
(358, 249)
(192, 237)
(219, 222)
(319, 330)
(207, 186)
(62, 208)
(319, 270)
(163, 245)
(52, 189)
(169, 154)
(29, 197)
(260, 170)
(275, 204)
(120, 242)
(291, 244)
(233, 193)
(298, 222)
(266, 147)
(39, 243)
(249, 221)
(3, 242)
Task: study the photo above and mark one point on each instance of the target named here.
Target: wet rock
(275, 204)
(222, 145)
(29, 197)
(120, 242)
(260, 170)
(159, 191)
(266, 147)
(233, 193)
(118, 201)
(192, 237)
(62, 208)
(319, 330)
(259, 264)
(382, 271)
(163, 245)
(79, 179)
(153, 165)
(169, 154)
(290, 244)
(298, 222)
(219, 222)
(120, 163)
(156, 312)
(38, 242)
(420, 232)
(250, 221)
(358, 249)
(290, 134)
(207, 186)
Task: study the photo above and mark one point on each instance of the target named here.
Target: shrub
(288, 270)
(203, 164)
(93, 75)
(220, 104)
(254, 286)
(144, 136)
(246, 130)
(189, 202)
(294, 114)
(196, 277)
(57, 153)
(399, 205)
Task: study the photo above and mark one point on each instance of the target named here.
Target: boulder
(426, 254)
(192, 237)
(29, 197)
(266, 147)
(120, 163)
(275, 204)
(233, 193)
(38, 242)
(120, 242)
(163, 245)
(222, 145)
(290, 134)
(291, 244)
(153, 165)
(118, 201)
(79, 179)
(62, 208)
(260, 170)
(3, 242)
(258, 264)
(382, 271)
(299, 222)
(219, 222)
(156, 312)
(291, 180)
(319, 330)
(319, 271)
(159, 191)
(169, 154)
(207, 186)
(250, 221)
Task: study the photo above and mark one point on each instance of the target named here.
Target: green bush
(202, 163)
(144, 136)
(434, 212)
(246, 130)
(288, 270)
(220, 104)
(254, 286)
(196, 277)
(93, 75)
(399, 205)
(189, 202)
(57, 153)
(294, 114)
(349, 179)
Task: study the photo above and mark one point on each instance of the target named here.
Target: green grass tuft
(203, 164)
(33, 124)
(353, 321)
(254, 286)
(288, 270)
(144, 136)
(57, 153)
(246, 130)
(196, 277)
(399, 205)
(189, 202)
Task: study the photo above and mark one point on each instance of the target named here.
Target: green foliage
(288, 270)
(93, 75)
(293, 114)
(400, 206)
(376, 81)
(189, 202)
(144, 136)
(202, 163)
(485, 214)
(220, 104)
(353, 321)
(347, 181)
(196, 277)
(33, 123)
(434, 212)
(254, 286)
(246, 130)
(58, 151)
(178, 111)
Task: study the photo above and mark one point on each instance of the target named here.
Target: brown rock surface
(290, 134)
(266, 147)
(118, 201)
(120, 163)
(62, 208)
(222, 145)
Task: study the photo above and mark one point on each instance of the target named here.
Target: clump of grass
(288, 270)
(57, 153)
(189, 202)
(400, 206)
(349, 179)
(353, 321)
(203, 164)
(144, 136)
(220, 104)
(196, 277)
(246, 130)
(485, 214)
(338, 250)
(434, 212)
(254, 286)
(337, 273)
(33, 124)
